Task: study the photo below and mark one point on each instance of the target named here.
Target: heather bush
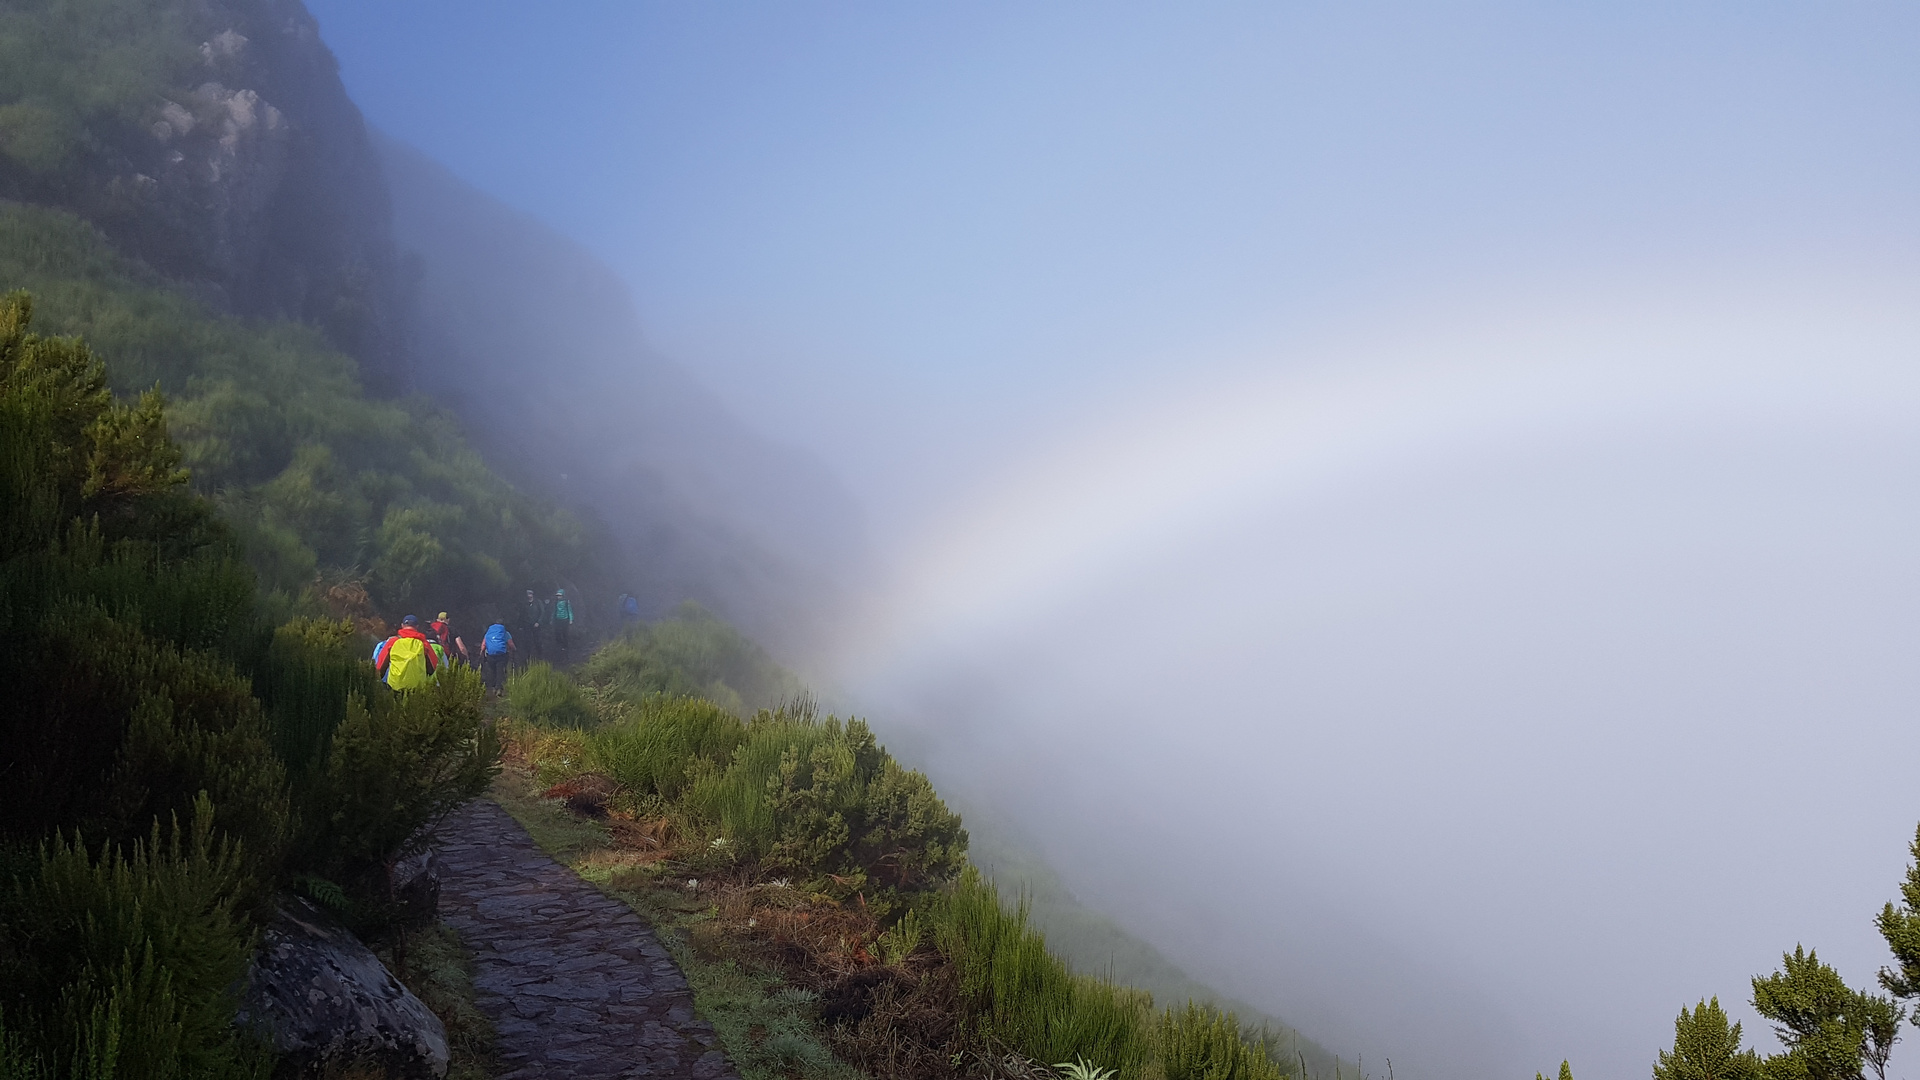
(122, 962)
(1024, 997)
(652, 752)
(110, 729)
(822, 800)
(1200, 1042)
(310, 671)
(397, 765)
(691, 654)
(540, 695)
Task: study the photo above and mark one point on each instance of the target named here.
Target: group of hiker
(414, 656)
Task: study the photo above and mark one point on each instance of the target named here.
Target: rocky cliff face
(214, 141)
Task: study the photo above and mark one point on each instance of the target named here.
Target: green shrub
(1023, 996)
(691, 654)
(111, 729)
(273, 421)
(1202, 1043)
(540, 695)
(124, 964)
(651, 752)
(398, 764)
(823, 800)
(312, 667)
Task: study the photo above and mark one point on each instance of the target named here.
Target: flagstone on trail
(575, 983)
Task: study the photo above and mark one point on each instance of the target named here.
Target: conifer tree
(1831, 1031)
(1706, 1047)
(1901, 927)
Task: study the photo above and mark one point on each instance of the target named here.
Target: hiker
(407, 660)
(629, 610)
(562, 621)
(530, 627)
(450, 642)
(495, 649)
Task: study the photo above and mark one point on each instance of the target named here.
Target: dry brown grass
(348, 599)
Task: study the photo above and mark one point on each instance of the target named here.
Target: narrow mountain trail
(575, 983)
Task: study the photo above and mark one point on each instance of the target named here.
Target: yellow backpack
(408, 665)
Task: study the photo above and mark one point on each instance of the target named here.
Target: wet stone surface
(575, 983)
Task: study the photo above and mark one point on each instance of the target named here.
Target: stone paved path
(575, 983)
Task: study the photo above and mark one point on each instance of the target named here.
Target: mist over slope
(537, 344)
(214, 142)
(215, 148)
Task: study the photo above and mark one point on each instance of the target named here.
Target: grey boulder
(323, 998)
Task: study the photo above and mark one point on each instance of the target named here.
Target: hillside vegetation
(321, 482)
(819, 895)
(172, 759)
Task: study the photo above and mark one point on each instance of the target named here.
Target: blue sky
(927, 227)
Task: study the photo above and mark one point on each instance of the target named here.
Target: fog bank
(1472, 696)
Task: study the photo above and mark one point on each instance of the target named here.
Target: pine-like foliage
(549, 698)
(652, 753)
(822, 798)
(1831, 1031)
(122, 965)
(1023, 996)
(395, 767)
(1202, 1043)
(691, 653)
(1901, 927)
(312, 668)
(1706, 1047)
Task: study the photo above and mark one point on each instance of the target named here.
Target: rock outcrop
(223, 151)
(325, 999)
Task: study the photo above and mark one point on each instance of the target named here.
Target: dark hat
(409, 621)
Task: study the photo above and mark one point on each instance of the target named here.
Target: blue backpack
(497, 638)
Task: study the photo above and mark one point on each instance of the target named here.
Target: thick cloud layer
(1475, 704)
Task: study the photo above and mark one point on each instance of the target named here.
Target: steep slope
(214, 142)
(536, 343)
(213, 147)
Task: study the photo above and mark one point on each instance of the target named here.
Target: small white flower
(693, 883)
(719, 842)
(780, 883)
(752, 922)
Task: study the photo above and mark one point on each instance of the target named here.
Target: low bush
(123, 964)
(312, 668)
(821, 799)
(691, 654)
(650, 753)
(111, 730)
(1024, 997)
(540, 695)
(1202, 1043)
(799, 858)
(397, 765)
